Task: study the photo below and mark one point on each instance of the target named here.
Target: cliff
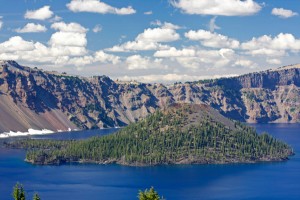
(33, 98)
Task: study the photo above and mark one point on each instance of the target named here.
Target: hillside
(33, 98)
(181, 134)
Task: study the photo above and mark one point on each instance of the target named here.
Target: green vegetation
(179, 135)
(150, 194)
(36, 197)
(20, 194)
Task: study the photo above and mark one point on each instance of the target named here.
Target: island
(179, 134)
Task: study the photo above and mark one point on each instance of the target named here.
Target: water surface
(279, 180)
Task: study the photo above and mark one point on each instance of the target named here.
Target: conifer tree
(36, 197)
(18, 192)
(150, 194)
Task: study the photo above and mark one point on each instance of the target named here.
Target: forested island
(180, 134)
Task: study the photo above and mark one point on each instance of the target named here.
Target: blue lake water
(187, 182)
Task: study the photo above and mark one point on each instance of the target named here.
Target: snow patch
(30, 132)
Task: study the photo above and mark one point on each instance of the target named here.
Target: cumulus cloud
(138, 62)
(208, 58)
(16, 43)
(170, 78)
(283, 13)
(137, 46)
(163, 34)
(103, 57)
(71, 27)
(276, 46)
(218, 7)
(150, 39)
(165, 25)
(68, 39)
(32, 28)
(39, 14)
(173, 52)
(214, 40)
(97, 28)
(67, 46)
(69, 35)
(97, 6)
(193, 58)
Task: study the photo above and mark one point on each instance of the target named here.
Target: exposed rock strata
(32, 98)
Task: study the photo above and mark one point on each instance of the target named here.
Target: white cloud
(165, 25)
(274, 61)
(97, 6)
(266, 52)
(191, 58)
(276, 46)
(246, 63)
(14, 44)
(67, 51)
(170, 78)
(97, 28)
(150, 39)
(56, 18)
(283, 13)
(214, 40)
(16, 48)
(164, 34)
(212, 25)
(68, 39)
(79, 61)
(137, 46)
(71, 27)
(173, 52)
(148, 13)
(106, 58)
(32, 28)
(218, 7)
(67, 46)
(138, 62)
(40, 14)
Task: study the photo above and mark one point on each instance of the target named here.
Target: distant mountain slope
(38, 99)
(179, 134)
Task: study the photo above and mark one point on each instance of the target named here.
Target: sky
(151, 41)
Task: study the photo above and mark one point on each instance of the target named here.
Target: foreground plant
(20, 194)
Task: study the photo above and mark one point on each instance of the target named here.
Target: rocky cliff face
(32, 98)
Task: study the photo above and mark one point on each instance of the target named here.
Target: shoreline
(137, 164)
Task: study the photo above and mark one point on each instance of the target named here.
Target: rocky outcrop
(33, 98)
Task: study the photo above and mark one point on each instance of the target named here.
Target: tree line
(19, 193)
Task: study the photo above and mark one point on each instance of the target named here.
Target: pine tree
(18, 192)
(149, 195)
(36, 197)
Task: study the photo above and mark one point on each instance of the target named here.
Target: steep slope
(33, 98)
(180, 134)
(263, 97)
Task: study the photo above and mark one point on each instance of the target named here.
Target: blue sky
(151, 41)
